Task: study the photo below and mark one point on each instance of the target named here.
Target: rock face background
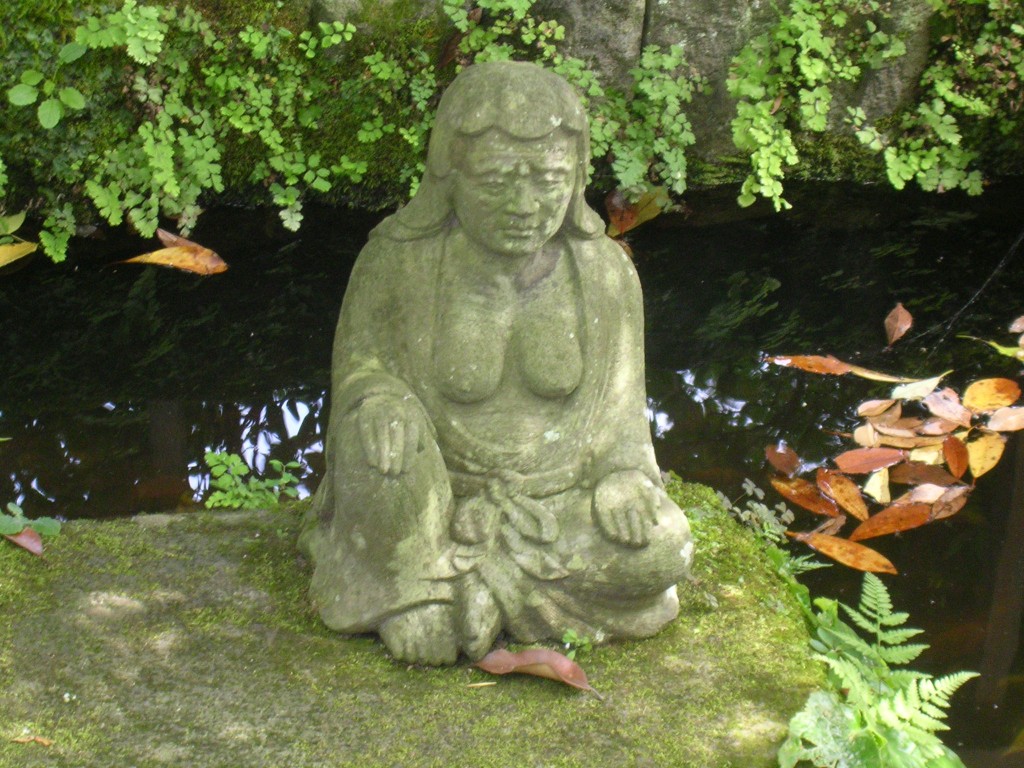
(610, 35)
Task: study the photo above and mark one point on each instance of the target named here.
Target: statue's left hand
(625, 507)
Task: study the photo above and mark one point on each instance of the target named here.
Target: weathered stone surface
(187, 641)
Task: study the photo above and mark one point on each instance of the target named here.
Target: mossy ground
(187, 640)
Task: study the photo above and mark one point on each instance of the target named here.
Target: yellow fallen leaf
(877, 486)
(990, 394)
(918, 390)
(181, 253)
(11, 252)
(984, 453)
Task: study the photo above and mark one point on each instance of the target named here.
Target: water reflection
(117, 381)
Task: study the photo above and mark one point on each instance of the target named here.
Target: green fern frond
(901, 654)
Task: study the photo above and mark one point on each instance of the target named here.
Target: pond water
(117, 378)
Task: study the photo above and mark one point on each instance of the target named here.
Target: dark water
(116, 379)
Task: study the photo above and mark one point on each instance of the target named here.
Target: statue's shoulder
(606, 259)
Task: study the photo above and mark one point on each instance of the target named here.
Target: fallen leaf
(844, 491)
(898, 427)
(877, 486)
(893, 519)
(860, 461)
(929, 454)
(984, 453)
(783, 458)
(866, 436)
(805, 494)
(11, 252)
(27, 539)
(926, 493)
(897, 323)
(909, 442)
(846, 552)
(1007, 420)
(182, 254)
(874, 407)
(945, 403)
(1017, 326)
(826, 364)
(919, 473)
(541, 662)
(956, 455)
(951, 502)
(33, 740)
(938, 427)
(991, 394)
(624, 215)
(1017, 352)
(487, 684)
(918, 390)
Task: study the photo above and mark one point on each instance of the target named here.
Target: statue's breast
(470, 349)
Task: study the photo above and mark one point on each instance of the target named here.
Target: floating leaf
(877, 486)
(860, 461)
(846, 552)
(11, 252)
(1017, 326)
(901, 517)
(805, 494)
(929, 454)
(182, 254)
(624, 215)
(867, 373)
(541, 662)
(866, 436)
(951, 502)
(990, 394)
(1007, 420)
(874, 407)
(27, 539)
(813, 363)
(918, 390)
(897, 323)
(1017, 352)
(937, 426)
(926, 493)
(955, 453)
(984, 453)
(945, 403)
(783, 458)
(918, 473)
(845, 492)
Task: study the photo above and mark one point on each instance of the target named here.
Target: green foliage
(873, 715)
(14, 522)
(575, 643)
(233, 488)
(783, 81)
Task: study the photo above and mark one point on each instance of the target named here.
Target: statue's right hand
(389, 428)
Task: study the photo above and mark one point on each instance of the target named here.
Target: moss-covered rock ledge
(186, 640)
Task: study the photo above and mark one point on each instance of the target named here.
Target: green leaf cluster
(873, 714)
(14, 522)
(233, 487)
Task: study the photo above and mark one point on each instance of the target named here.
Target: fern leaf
(901, 654)
(894, 619)
(898, 636)
(874, 598)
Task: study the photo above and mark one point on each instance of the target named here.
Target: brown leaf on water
(871, 408)
(846, 552)
(899, 428)
(918, 473)
(27, 539)
(783, 458)
(899, 517)
(945, 403)
(805, 494)
(866, 436)
(984, 453)
(624, 215)
(897, 323)
(951, 502)
(894, 441)
(1017, 326)
(540, 662)
(860, 461)
(11, 252)
(926, 493)
(826, 364)
(1007, 420)
(182, 254)
(990, 394)
(936, 427)
(844, 491)
(955, 453)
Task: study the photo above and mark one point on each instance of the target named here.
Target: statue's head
(497, 120)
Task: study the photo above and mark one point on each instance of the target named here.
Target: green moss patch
(187, 640)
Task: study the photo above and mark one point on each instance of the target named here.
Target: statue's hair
(522, 100)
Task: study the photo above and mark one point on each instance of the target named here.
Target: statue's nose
(523, 200)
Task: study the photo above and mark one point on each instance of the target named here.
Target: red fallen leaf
(945, 403)
(846, 552)
(897, 323)
(844, 491)
(919, 473)
(813, 363)
(991, 394)
(1007, 420)
(860, 461)
(805, 494)
(541, 662)
(951, 502)
(899, 517)
(182, 254)
(955, 453)
(28, 539)
(783, 458)
(624, 215)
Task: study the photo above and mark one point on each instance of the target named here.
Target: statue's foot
(422, 635)
(480, 619)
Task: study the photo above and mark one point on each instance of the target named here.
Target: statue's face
(510, 196)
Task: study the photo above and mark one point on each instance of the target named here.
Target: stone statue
(489, 458)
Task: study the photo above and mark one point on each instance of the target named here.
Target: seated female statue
(489, 457)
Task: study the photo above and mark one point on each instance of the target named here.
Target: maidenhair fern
(873, 715)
